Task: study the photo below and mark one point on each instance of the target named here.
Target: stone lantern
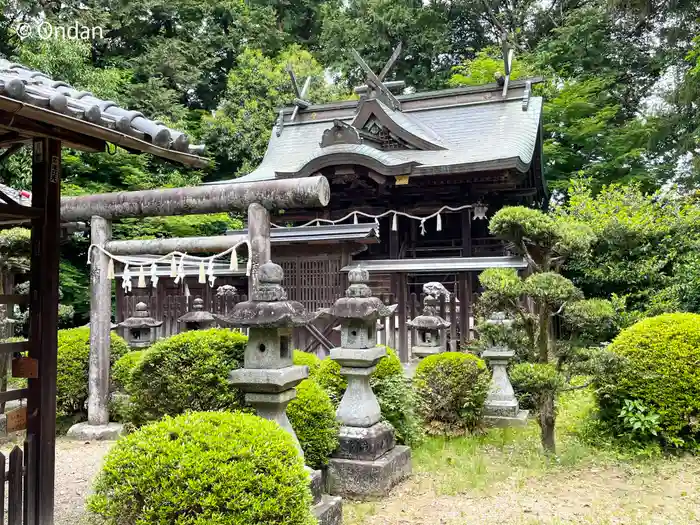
(140, 329)
(268, 375)
(198, 318)
(501, 407)
(430, 329)
(367, 462)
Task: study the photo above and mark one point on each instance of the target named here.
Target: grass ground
(502, 477)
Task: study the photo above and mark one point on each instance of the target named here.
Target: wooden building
(393, 162)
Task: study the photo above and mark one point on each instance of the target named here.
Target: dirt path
(77, 463)
(667, 493)
(661, 492)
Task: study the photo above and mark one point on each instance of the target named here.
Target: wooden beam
(14, 395)
(284, 194)
(32, 128)
(11, 348)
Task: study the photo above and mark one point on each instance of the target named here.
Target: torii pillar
(256, 198)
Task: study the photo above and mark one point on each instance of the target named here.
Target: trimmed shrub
(533, 380)
(389, 366)
(312, 416)
(73, 365)
(451, 388)
(206, 467)
(188, 371)
(657, 365)
(122, 369)
(397, 401)
(328, 376)
(308, 359)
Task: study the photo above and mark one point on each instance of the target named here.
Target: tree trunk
(547, 420)
(543, 335)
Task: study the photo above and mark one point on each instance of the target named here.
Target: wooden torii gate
(257, 198)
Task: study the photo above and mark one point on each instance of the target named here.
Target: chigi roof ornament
(375, 83)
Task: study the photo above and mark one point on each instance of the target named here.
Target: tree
(535, 301)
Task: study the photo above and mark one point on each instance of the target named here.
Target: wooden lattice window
(386, 140)
(314, 281)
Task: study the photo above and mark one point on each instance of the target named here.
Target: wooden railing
(17, 487)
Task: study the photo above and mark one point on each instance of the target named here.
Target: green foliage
(398, 402)
(536, 379)
(590, 321)
(218, 468)
(308, 359)
(312, 416)
(451, 388)
(328, 377)
(657, 366)
(123, 368)
(73, 364)
(388, 366)
(188, 371)
(15, 247)
(639, 421)
(644, 249)
(482, 69)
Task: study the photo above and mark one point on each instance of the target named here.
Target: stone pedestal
(501, 407)
(327, 509)
(367, 463)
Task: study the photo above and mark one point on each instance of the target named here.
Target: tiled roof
(460, 130)
(34, 87)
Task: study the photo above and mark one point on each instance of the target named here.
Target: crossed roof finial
(299, 101)
(375, 83)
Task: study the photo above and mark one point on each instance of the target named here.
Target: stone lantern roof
(140, 319)
(429, 320)
(198, 314)
(269, 306)
(358, 302)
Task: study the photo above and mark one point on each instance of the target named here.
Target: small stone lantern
(140, 329)
(430, 329)
(367, 462)
(269, 376)
(198, 318)
(501, 407)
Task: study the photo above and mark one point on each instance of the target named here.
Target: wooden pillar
(464, 307)
(404, 351)
(259, 238)
(43, 331)
(100, 324)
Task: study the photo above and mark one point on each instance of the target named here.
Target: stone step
(329, 511)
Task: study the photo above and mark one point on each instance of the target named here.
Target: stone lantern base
(327, 509)
(501, 408)
(367, 463)
(424, 351)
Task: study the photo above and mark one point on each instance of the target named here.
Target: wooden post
(464, 307)
(43, 326)
(259, 238)
(100, 324)
(404, 351)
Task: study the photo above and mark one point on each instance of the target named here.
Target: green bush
(125, 365)
(308, 359)
(73, 365)
(397, 401)
(451, 388)
(312, 416)
(657, 365)
(214, 468)
(328, 376)
(188, 371)
(531, 380)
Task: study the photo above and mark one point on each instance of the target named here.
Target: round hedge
(451, 388)
(125, 365)
(207, 467)
(312, 416)
(659, 365)
(188, 371)
(308, 359)
(73, 367)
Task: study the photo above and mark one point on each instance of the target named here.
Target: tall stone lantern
(430, 329)
(268, 376)
(140, 328)
(367, 462)
(501, 407)
(197, 318)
